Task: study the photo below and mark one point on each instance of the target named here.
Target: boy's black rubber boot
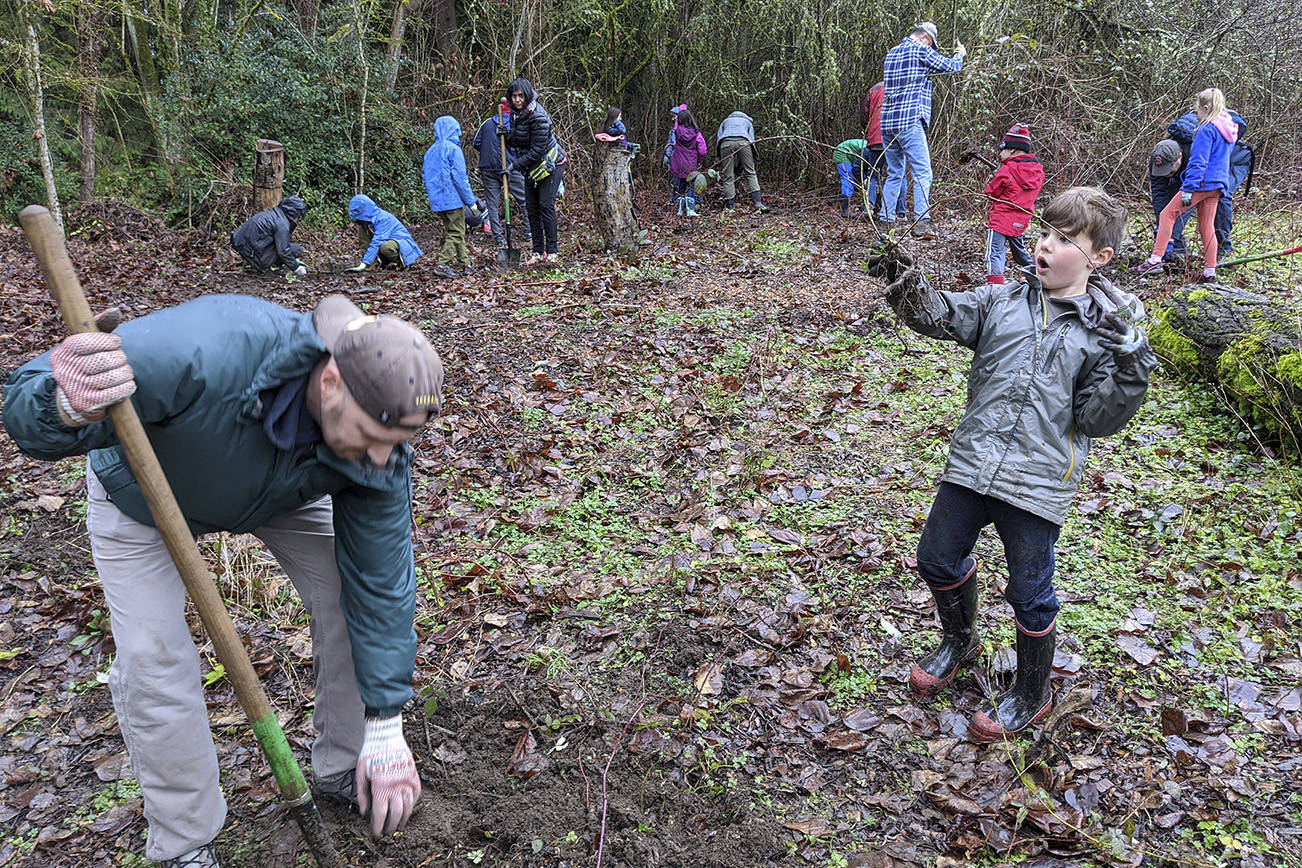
(1031, 697)
(730, 203)
(956, 606)
(845, 207)
(758, 201)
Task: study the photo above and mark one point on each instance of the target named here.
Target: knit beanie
(1018, 138)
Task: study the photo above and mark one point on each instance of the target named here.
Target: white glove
(361, 266)
(387, 783)
(301, 271)
(960, 50)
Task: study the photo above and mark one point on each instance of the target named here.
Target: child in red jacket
(1012, 191)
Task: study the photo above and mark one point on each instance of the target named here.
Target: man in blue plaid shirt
(906, 114)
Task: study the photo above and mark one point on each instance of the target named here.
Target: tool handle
(47, 242)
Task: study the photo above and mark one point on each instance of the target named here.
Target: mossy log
(612, 196)
(1247, 343)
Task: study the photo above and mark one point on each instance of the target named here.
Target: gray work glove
(1117, 332)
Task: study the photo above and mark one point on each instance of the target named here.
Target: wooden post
(268, 175)
(612, 195)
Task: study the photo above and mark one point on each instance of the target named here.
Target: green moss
(1198, 294)
(1172, 345)
(1289, 369)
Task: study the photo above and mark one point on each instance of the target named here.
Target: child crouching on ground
(1012, 192)
(1058, 361)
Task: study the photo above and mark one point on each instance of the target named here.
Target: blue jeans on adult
(875, 159)
(908, 145)
(957, 516)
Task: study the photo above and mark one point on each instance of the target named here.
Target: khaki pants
(737, 158)
(454, 238)
(155, 679)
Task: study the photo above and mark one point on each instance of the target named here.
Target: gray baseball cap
(1166, 156)
(928, 28)
(387, 364)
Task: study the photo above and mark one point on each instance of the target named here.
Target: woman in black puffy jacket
(542, 162)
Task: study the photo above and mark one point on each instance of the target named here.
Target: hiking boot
(444, 271)
(922, 229)
(1031, 697)
(468, 269)
(532, 258)
(956, 607)
(884, 228)
(1146, 267)
(554, 259)
(199, 857)
(339, 789)
(758, 202)
(845, 207)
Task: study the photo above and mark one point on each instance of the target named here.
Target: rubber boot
(682, 206)
(759, 203)
(845, 207)
(691, 208)
(730, 203)
(956, 606)
(1031, 697)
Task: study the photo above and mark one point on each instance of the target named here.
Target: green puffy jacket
(200, 369)
(1040, 387)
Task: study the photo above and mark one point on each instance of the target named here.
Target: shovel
(47, 242)
(507, 256)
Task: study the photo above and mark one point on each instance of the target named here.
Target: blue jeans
(908, 145)
(996, 242)
(957, 516)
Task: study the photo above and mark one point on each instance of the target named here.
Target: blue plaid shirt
(908, 70)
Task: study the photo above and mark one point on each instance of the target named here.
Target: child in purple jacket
(689, 150)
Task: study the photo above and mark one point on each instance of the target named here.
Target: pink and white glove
(387, 783)
(92, 373)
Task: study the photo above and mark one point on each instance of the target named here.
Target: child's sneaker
(551, 259)
(1146, 267)
(531, 259)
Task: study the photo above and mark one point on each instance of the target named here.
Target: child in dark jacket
(1059, 359)
(689, 149)
(1012, 191)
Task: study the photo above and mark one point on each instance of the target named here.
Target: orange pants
(1205, 202)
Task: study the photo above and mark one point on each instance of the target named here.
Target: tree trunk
(359, 29)
(444, 16)
(1248, 344)
(32, 61)
(612, 196)
(88, 56)
(268, 175)
(306, 12)
(393, 56)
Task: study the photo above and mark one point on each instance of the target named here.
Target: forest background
(159, 102)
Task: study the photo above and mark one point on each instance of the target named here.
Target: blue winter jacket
(384, 227)
(1209, 157)
(444, 173)
(1242, 159)
(203, 371)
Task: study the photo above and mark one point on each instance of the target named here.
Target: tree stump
(1249, 344)
(268, 175)
(612, 195)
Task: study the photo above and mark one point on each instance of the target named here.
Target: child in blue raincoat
(382, 235)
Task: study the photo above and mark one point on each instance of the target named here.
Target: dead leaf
(709, 678)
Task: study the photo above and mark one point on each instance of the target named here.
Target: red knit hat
(1018, 138)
